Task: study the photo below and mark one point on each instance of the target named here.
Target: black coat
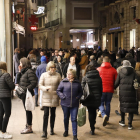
(59, 68)
(117, 63)
(127, 93)
(95, 85)
(77, 71)
(6, 84)
(27, 79)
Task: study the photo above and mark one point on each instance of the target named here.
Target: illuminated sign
(33, 28)
(40, 10)
(115, 28)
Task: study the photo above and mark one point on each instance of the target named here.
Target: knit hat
(43, 59)
(126, 63)
(99, 47)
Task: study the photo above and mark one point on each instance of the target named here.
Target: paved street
(111, 132)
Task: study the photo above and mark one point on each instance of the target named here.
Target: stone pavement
(113, 131)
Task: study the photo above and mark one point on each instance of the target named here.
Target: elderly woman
(48, 83)
(127, 93)
(6, 86)
(70, 92)
(26, 79)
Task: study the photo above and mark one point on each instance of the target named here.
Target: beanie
(43, 59)
(126, 63)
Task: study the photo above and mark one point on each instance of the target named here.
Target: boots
(51, 132)
(36, 100)
(44, 134)
(27, 129)
(75, 138)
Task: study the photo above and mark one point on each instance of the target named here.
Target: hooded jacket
(70, 93)
(6, 84)
(127, 93)
(108, 75)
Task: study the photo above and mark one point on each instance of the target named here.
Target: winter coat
(108, 75)
(6, 84)
(94, 81)
(130, 58)
(70, 93)
(77, 70)
(84, 62)
(127, 93)
(117, 63)
(59, 68)
(16, 62)
(94, 63)
(49, 98)
(27, 79)
(41, 69)
(138, 56)
(138, 91)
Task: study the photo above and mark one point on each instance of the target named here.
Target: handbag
(20, 93)
(81, 120)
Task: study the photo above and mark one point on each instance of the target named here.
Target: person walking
(26, 79)
(6, 86)
(93, 101)
(108, 75)
(48, 83)
(40, 69)
(70, 92)
(127, 93)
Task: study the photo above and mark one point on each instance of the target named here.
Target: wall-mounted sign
(115, 28)
(40, 10)
(33, 28)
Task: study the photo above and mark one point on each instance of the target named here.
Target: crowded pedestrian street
(112, 131)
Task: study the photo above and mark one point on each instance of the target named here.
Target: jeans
(92, 117)
(5, 112)
(41, 93)
(36, 90)
(73, 111)
(105, 101)
(46, 116)
(130, 117)
(28, 113)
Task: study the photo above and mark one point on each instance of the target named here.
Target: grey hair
(49, 65)
(83, 51)
(92, 57)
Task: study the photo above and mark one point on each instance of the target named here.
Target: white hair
(83, 51)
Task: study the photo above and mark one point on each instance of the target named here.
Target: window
(134, 12)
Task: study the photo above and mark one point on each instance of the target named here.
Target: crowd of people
(51, 75)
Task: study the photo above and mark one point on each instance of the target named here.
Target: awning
(18, 28)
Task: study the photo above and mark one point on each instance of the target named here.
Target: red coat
(108, 75)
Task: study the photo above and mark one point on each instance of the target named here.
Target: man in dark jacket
(130, 58)
(118, 61)
(73, 66)
(93, 61)
(41, 69)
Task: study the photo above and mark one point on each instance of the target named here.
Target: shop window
(82, 13)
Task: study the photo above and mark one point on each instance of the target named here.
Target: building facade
(119, 24)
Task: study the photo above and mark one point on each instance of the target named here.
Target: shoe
(105, 119)
(44, 134)
(5, 136)
(92, 132)
(52, 132)
(130, 127)
(75, 138)
(99, 114)
(122, 123)
(117, 113)
(65, 134)
(42, 108)
(27, 130)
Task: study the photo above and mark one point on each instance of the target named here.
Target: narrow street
(113, 131)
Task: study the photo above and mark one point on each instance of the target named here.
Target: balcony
(53, 23)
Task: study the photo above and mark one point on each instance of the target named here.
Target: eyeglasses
(53, 67)
(69, 74)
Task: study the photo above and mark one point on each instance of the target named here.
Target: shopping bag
(29, 103)
(81, 120)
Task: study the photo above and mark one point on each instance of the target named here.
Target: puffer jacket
(108, 75)
(49, 98)
(27, 79)
(70, 93)
(94, 81)
(127, 93)
(6, 84)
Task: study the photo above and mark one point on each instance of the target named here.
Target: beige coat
(49, 98)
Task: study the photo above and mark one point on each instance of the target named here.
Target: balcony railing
(53, 23)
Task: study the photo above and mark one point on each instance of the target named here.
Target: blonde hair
(49, 65)
(137, 67)
(73, 73)
(67, 55)
(3, 66)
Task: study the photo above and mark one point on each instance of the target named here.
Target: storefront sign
(115, 28)
(40, 10)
